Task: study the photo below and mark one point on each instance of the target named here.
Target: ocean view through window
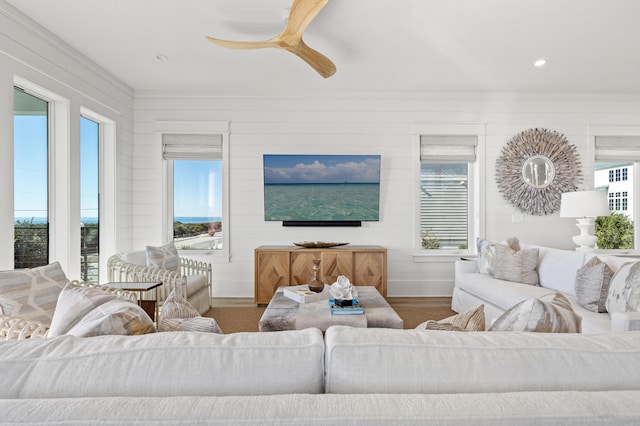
(31, 180)
(89, 200)
(197, 204)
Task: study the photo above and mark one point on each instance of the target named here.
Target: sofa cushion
(89, 311)
(517, 266)
(32, 294)
(624, 289)
(163, 257)
(164, 364)
(592, 285)
(414, 361)
(500, 293)
(471, 320)
(548, 314)
(557, 268)
(195, 283)
(487, 253)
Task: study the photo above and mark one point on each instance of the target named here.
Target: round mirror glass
(538, 171)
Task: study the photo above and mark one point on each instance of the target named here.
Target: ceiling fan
(301, 15)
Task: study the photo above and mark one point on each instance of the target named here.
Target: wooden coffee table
(283, 313)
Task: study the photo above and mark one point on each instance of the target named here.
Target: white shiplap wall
(378, 123)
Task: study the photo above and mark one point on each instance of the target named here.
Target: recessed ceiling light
(540, 63)
(161, 57)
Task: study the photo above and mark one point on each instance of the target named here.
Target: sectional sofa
(556, 271)
(346, 377)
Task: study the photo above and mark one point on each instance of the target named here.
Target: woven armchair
(17, 328)
(193, 278)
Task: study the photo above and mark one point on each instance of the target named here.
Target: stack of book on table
(302, 294)
(353, 309)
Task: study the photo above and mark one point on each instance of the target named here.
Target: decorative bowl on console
(319, 244)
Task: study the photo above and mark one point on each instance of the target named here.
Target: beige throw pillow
(592, 285)
(487, 253)
(176, 306)
(548, 314)
(518, 266)
(32, 294)
(624, 289)
(471, 320)
(89, 311)
(163, 257)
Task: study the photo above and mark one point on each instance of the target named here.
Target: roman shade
(187, 146)
(448, 148)
(617, 148)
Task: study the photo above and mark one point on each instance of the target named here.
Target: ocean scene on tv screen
(321, 187)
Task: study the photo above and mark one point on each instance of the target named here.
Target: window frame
(196, 127)
(475, 188)
(61, 230)
(631, 131)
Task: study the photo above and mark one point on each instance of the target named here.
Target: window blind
(188, 146)
(448, 148)
(617, 148)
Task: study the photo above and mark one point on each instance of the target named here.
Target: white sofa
(557, 273)
(351, 376)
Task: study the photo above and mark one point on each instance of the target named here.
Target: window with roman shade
(181, 146)
(197, 184)
(445, 213)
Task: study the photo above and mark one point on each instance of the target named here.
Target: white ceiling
(379, 45)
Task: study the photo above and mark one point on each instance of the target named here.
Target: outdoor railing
(31, 248)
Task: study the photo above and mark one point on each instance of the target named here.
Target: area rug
(238, 319)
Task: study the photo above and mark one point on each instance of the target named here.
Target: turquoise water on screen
(328, 201)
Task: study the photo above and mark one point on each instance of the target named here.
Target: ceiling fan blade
(301, 15)
(317, 60)
(243, 44)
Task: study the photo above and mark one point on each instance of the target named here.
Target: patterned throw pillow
(201, 324)
(175, 306)
(624, 289)
(471, 320)
(487, 253)
(164, 257)
(518, 266)
(548, 314)
(592, 285)
(89, 311)
(31, 294)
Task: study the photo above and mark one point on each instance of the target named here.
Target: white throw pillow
(201, 324)
(164, 257)
(548, 314)
(624, 289)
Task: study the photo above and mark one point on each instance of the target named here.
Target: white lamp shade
(584, 204)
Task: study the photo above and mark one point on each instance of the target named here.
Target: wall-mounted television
(321, 190)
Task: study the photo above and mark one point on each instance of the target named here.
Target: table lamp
(585, 206)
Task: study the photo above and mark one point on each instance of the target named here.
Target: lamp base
(586, 240)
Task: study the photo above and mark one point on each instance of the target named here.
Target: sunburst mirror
(535, 168)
